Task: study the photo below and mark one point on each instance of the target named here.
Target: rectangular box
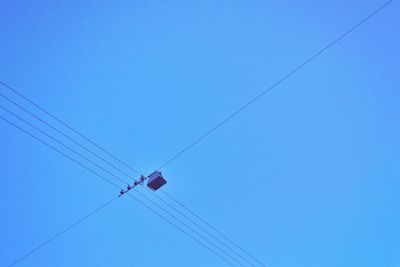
(156, 180)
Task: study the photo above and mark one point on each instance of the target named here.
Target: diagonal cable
(63, 144)
(200, 227)
(284, 78)
(89, 169)
(54, 237)
(82, 156)
(60, 152)
(180, 229)
(60, 132)
(69, 127)
(95, 164)
(189, 227)
(212, 227)
(233, 114)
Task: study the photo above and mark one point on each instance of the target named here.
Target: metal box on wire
(156, 180)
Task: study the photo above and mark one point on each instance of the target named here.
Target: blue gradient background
(307, 176)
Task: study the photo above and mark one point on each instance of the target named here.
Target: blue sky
(307, 176)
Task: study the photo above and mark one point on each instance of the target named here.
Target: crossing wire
(95, 164)
(94, 172)
(54, 237)
(285, 77)
(233, 114)
(94, 153)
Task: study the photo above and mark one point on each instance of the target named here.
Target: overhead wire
(212, 129)
(201, 227)
(187, 226)
(70, 127)
(212, 227)
(60, 152)
(253, 100)
(95, 164)
(58, 131)
(65, 230)
(63, 144)
(97, 174)
(113, 175)
(285, 77)
(182, 230)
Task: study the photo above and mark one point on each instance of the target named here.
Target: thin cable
(200, 227)
(87, 168)
(69, 127)
(63, 134)
(212, 227)
(11, 101)
(63, 144)
(62, 232)
(182, 230)
(225, 120)
(274, 85)
(60, 152)
(189, 227)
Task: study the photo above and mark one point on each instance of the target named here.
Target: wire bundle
(168, 208)
(178, 215)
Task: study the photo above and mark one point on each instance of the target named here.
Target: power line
(189, 227)
(250, 103)
(62, 232)
(202, 228)
(212, 227)
(180, 229)
(63, 144)
(94, 153)
(340, 37)
(60, 132)
(79, 154)
(89, 169)
(69, 127)
(218, 125)
(60, 152)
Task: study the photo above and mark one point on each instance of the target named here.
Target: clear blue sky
(307, 176)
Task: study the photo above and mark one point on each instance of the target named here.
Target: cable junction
(154, 184)
(152, 176)
(130, 187)
(142, 178)
(155, 181)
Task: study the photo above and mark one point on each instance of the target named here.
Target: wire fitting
(135, 183)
